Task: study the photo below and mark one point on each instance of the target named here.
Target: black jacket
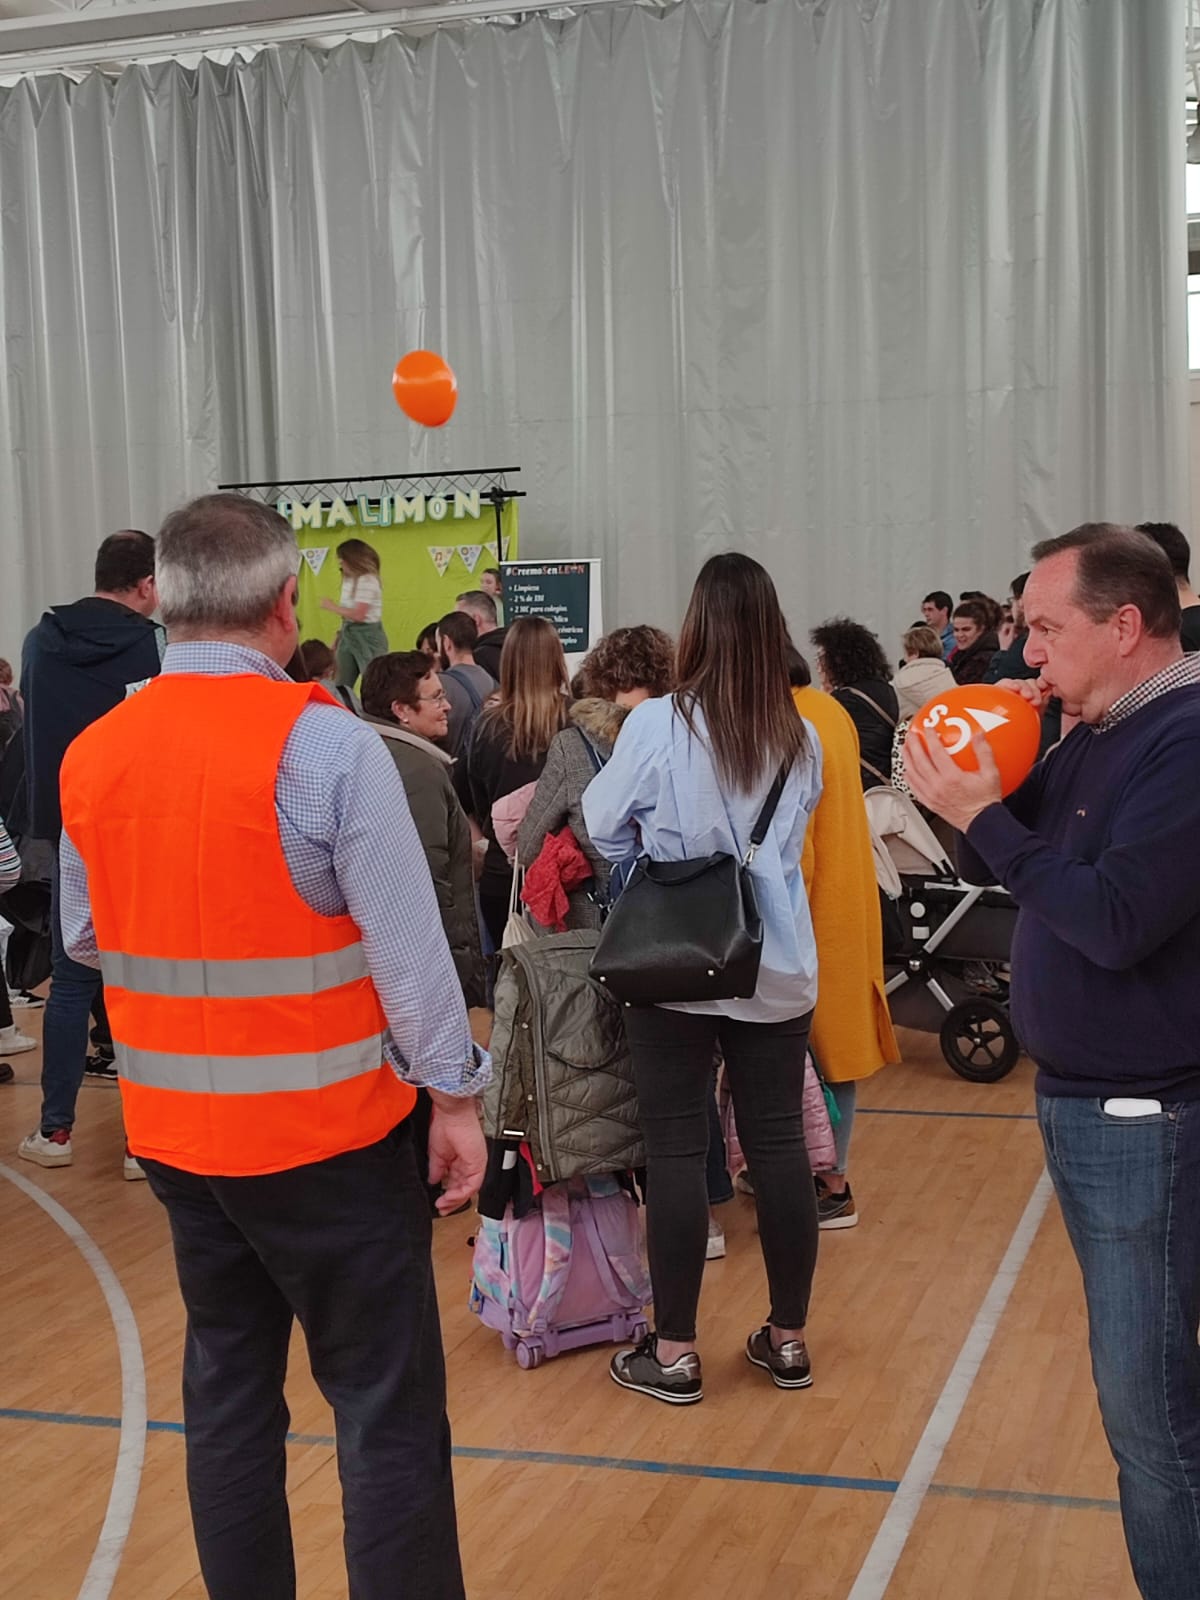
(874, 711)
(79, 662)
(971, 665)
(488, 649)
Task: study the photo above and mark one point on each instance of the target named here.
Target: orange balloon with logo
(1006, 720)
(425, 388)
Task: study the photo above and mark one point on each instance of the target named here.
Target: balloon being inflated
(1006, 720)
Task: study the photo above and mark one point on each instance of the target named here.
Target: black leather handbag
(687, 930)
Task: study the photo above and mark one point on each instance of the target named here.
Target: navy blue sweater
(1101, 849)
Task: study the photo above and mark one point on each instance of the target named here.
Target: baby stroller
(946, 970)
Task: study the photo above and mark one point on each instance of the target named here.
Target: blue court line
(673, 1469)
(899, 1111)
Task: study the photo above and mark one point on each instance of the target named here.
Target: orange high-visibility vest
(247, 1029)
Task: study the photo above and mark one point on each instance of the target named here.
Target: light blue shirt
(351, 847)
(660, 796)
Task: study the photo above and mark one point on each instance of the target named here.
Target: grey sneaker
(789, 1366)
(640, 1369)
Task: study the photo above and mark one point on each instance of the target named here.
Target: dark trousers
(494, 909)
(672, 1063)
(74, 991)
(343, 1246)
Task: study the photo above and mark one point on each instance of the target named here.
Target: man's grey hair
(222, 561)
(480, 605)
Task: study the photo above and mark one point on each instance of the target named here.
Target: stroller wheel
(978, 1041)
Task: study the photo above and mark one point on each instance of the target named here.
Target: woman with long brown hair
(689, 777)
(508, 747)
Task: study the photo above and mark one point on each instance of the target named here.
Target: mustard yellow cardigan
(852, 1033)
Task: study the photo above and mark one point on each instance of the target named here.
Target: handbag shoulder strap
(770, 806)
(874, 705)
(460, 677)
(594, 755)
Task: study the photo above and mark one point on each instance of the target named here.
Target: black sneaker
(788, 1365)
(102, 1067)
(836, 1210)
(640, 1369)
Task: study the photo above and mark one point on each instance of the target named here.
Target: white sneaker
(132, 1168)
(715, 1250)
(13, 1042)
(54, 1151)
(22, 1000)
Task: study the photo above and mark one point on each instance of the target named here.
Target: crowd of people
(396, 809)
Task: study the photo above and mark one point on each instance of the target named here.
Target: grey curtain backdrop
(878, 290)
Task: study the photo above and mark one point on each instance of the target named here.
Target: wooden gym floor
(567, 1486)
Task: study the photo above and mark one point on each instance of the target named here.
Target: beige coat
(918, 681)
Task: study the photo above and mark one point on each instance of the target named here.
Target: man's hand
(457, 1151)
(941, 784)
(1035, 690)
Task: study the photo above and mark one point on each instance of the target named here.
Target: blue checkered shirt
(351, 847)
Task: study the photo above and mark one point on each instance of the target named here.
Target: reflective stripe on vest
(248, 1074)
(234, 980)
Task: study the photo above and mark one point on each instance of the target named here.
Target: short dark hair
(317, 658)
(799, 671)
(978, 612)
(940, 599)
(1119, 567)
(851, 653)
(1171, 541)
(393, 677)
(493, 572)
(123, 561)
(1017, 587)
(460, 629)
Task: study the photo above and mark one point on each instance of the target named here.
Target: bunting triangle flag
(470, 554)
(315, 556)
(442, 555)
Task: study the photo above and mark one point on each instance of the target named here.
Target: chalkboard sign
(560, 591)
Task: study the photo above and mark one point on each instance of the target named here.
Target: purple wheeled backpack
(569, 1273)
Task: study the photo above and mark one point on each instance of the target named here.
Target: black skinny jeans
(672, 1064)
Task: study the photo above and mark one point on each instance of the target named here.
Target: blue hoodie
(79, 662)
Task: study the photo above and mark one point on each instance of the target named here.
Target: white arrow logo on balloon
(987, 720)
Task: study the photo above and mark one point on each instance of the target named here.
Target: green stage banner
(435, 536)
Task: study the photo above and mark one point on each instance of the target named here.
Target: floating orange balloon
(425, 388)
(1007, 721)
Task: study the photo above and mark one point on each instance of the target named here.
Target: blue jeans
(845, 1097)
(74, 990)
(1130, 1196)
